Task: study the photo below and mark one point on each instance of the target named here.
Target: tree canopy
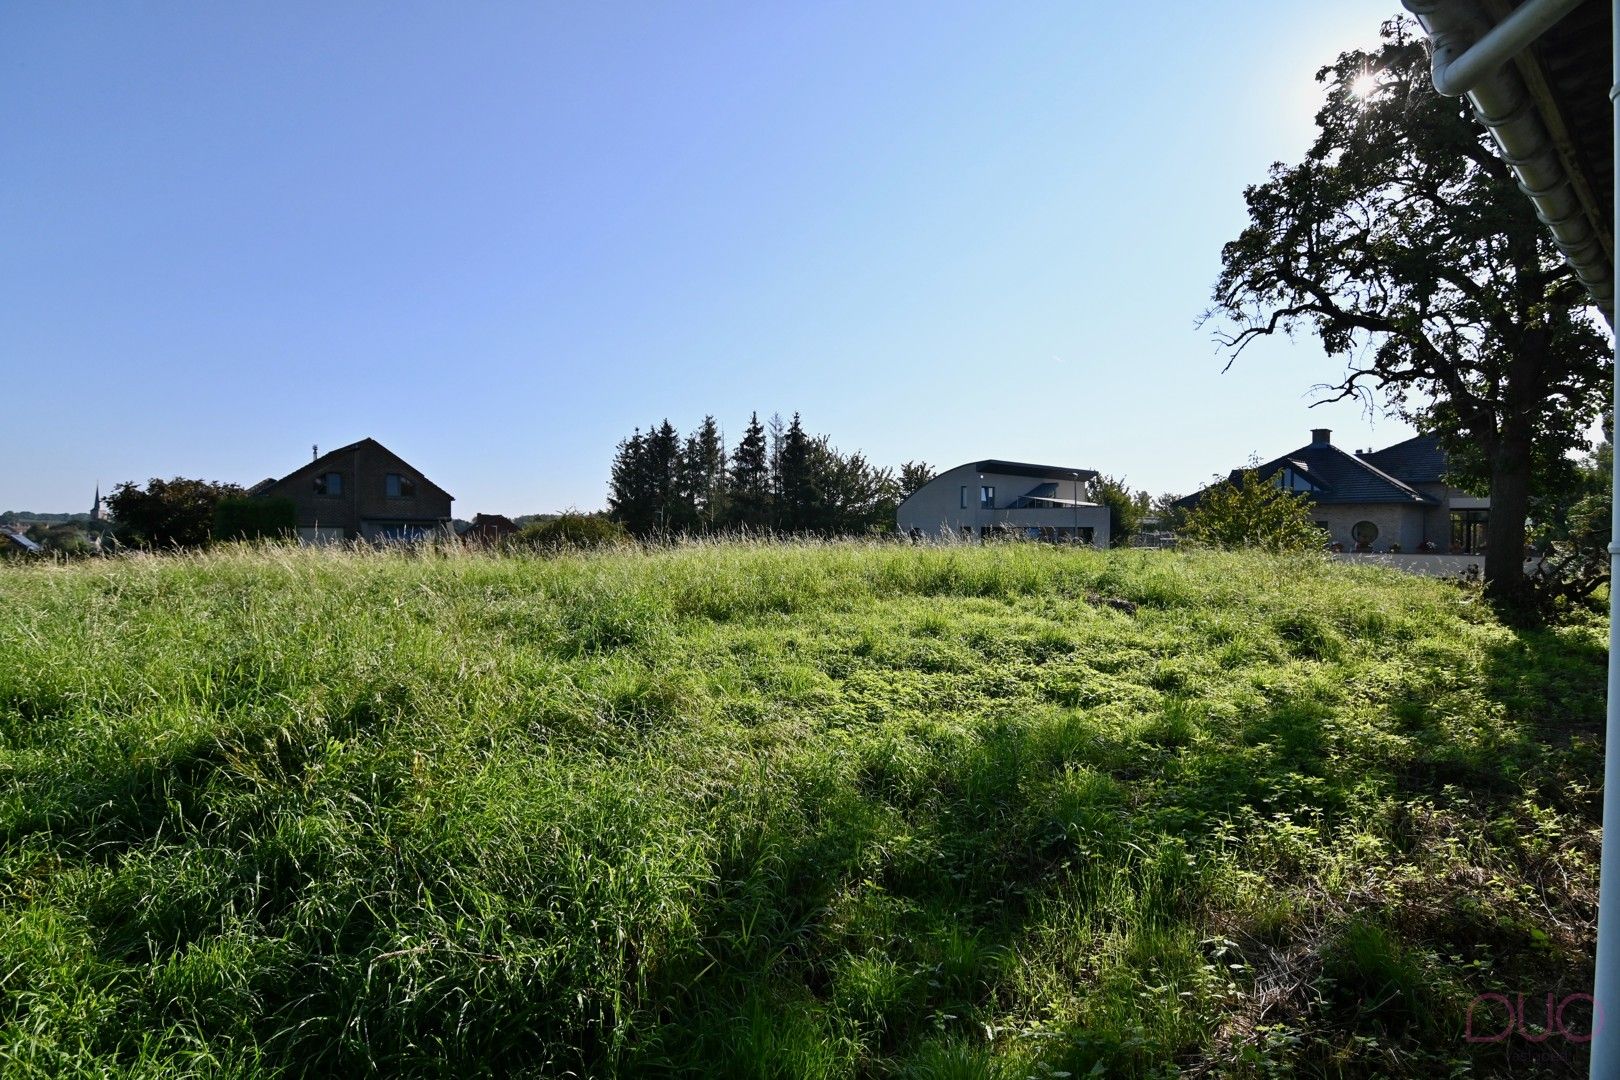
(913, 475)
(168, 513)
(1126, 508)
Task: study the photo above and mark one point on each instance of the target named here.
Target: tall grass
(781, 810)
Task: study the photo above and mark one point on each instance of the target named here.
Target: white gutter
(1471, 56)
(1461, 63)
(1472, 59)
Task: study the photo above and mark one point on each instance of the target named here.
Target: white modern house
(1007, 498)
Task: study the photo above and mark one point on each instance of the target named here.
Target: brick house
(363, 491)
(489, 529)
(1395, 499)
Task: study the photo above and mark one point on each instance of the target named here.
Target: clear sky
(498, 236)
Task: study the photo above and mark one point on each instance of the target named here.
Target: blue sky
(497, 237)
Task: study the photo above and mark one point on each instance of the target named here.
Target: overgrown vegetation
(571, 530)
(249, 518)
(756, 810)
(168, 514)
(1573, 528)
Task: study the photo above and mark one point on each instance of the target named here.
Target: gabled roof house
(1395, 499)
(362, 491)
(489, 529)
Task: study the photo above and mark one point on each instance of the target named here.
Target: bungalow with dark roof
(1395, 499)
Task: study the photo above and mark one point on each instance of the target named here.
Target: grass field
(755, 810)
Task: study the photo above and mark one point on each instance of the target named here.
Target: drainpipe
(1606, 987)
(1076, 509)
(1473, 57)
(354, 474)
(1459, 66)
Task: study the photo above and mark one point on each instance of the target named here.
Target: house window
(1468, 531)
(329, 484)
(1364, 533)
(401, 487)
(964, 496)
(1288, 479)
(987, 497)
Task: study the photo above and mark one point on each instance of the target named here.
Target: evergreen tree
(661, 473)
(779, 476)
(778, 434)
(703, 477)
(750, 487)
(796, 480)
(644, 490)
(628, 499)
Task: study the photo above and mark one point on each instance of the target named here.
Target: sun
(1364, 86)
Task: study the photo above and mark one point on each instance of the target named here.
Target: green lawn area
(784, 810)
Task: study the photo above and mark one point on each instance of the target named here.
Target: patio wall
(1436, 565)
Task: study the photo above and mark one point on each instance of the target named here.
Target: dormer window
(1290, 479)
(329, 484)
(400, 486)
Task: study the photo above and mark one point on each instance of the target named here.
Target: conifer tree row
(778, 478)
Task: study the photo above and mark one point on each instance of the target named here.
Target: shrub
(572, 531)
(1252, 513)
(254, 519)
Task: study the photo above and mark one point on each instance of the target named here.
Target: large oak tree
(1404, 244)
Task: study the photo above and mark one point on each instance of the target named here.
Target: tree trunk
(1505, 582)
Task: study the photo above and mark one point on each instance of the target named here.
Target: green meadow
(777, 810)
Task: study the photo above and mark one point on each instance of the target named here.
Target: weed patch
(790, 810)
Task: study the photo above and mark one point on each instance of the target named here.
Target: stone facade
(1403, 525)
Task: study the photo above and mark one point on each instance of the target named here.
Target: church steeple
(97, 511)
